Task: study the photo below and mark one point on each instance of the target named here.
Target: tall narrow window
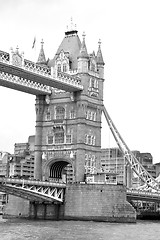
(72, 114)
(59, 67)
(60, 113)
(64, 68)
(50, 139)
(92, 83)
(86, 139)
(89, 140)
(48, 116)
(68, 138)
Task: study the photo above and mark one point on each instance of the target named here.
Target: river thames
(18, 229)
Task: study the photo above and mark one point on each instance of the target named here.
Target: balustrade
(17, 60)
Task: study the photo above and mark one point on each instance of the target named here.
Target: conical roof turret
(99, 55)
(83, 51)
(70, 45)
(41, 57)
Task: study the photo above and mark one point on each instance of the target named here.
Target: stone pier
(96, 202)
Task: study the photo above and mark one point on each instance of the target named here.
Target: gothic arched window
(59, 67)
(60, 113)
(64, 67)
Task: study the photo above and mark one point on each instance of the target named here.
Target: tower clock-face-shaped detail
(16, 60)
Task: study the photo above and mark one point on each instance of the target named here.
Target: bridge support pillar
(40, 103)
(128, 176)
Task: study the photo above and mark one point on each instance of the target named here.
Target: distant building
(146, 160)
(157, 166)
(4, 160)
(22, 162)
(4, 172)
(112, 161)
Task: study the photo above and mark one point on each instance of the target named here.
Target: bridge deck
(33, 190)
(35, 74)
(133, 194)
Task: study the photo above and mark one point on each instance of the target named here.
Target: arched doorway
(61, 170)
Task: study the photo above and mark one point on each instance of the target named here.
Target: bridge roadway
(29, 77)
(133, 194)
(47, 191)
(33, 190)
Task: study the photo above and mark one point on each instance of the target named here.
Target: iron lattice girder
(33, 190)
(136, 166)
(40, 74)
(133, 194)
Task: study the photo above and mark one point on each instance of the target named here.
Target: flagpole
(34, 49)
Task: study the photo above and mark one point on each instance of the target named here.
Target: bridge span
(47, 191)
(33, 190)
(143, 195)
(26, 76)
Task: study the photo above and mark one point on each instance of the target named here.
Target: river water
(19, 229)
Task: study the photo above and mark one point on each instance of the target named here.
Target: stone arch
(55, 168)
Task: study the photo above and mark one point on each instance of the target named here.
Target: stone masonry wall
(99, 202)
(16, 207)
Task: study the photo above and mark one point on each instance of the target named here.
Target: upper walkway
(26, 76)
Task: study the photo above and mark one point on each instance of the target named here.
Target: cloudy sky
(130, 35)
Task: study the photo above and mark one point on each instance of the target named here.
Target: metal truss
(136, 166)
(38, 73)
(134, 194)
(33, 190)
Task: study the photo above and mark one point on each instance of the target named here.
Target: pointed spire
(41, 57)
(99, 54)
(83, 51)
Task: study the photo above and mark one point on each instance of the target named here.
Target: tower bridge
(69, 106)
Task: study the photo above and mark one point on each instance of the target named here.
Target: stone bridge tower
(68, 125)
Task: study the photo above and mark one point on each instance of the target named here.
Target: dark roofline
(71, 32)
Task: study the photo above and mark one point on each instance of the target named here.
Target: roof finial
(83, 35)
(71, 29)
(71, 23)
(42, 42)
(99, 42)
(17, 48)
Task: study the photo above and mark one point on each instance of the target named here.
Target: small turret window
(59, 67)
(64, 68)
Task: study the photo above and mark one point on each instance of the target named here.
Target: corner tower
(70, 123)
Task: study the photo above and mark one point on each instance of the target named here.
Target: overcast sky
(130, 35)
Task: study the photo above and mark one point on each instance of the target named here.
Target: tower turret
(100, 61)
(83, 57)
(41, 58)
